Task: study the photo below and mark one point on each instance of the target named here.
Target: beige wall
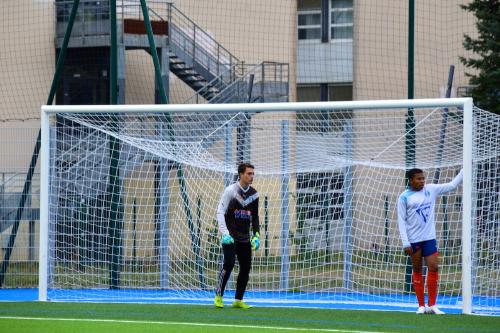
(254, 31)
(26, 68)
(17, 141)
(26, 57)
(380, 47)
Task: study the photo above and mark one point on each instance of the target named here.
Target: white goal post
(129, 192)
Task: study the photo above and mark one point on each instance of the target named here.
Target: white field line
(188, 324)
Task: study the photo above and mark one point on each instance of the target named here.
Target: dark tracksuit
(238, 210)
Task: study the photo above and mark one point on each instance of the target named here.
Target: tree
(486, 48)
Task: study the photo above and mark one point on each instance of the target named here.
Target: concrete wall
(26, 58)
(381, 47)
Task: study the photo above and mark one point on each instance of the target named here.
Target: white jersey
(416, 211)
(238, 210)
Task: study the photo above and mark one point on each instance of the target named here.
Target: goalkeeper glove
(255, 241)
(227, 239)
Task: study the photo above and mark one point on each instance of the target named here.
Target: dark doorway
(85, 78)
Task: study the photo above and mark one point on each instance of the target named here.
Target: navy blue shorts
(428, 247)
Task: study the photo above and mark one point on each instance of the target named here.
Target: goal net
(129, 198)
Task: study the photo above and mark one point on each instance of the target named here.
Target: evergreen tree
(486, 48)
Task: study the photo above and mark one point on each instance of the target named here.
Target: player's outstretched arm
(447, 187)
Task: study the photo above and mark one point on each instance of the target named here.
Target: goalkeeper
(418, 232)
(238, 210)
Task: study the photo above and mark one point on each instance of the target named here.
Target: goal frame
(466, 104)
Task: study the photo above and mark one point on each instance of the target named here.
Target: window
(309, 25)
(341, 19)
(329, 122)
(336, 92)
(308, 93)
(326, 122)
(340, 92)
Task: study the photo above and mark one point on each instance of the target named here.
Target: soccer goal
(129, 196)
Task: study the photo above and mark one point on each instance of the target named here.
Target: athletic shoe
(218, 302)
(421, 310)
(434, 309)
(241, 305)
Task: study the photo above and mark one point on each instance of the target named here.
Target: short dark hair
(412, 172)
(243, 166)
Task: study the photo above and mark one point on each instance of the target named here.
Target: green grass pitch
(41, 317)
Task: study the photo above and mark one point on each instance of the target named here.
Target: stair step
(184, 74)
(179, 67)
(195, 76)
(195, 84)
(176, 61)
(192, 80)
(207, 89)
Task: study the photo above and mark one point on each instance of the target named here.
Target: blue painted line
(18, 295)
(347, 301)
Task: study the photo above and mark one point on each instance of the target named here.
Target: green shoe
(218, 302)
(241, 305)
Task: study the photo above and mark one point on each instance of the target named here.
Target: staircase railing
(270, 84)
(198, 43)
(188, 41)
(10, 191)
(220, 83)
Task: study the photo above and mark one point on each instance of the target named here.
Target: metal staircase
(195, 57)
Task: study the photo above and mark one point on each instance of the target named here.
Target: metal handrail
(253, 69)
(197, 27)
(8, 183)
(213, 83)
(239, 80)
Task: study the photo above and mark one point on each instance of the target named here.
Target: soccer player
(418, 233)
(238, 210)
